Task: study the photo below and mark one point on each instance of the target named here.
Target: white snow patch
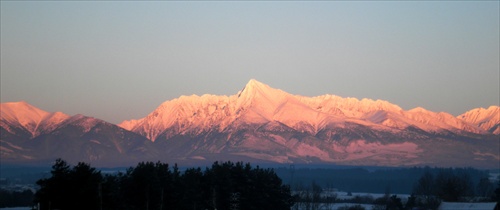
(27, 157)
(12, 145)
(486, 154)
(3, 149)
(29, 117)
(466, 206)
(198, 158)
(95, 141)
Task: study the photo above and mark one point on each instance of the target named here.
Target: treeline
(433, 187)
(314, 198)
(454, 185)
(376, 180)
(15, 198)
(151, 185)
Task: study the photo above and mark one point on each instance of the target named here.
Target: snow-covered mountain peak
(86, 123)
(348, 107)
(205, 99)
(255, 89)
(254, 84)
(419, 110)
(481, 114)
(21, 111)
(260, 101)
(128, 124)
(487, 119)
(33, 119)
(264, 123)
(375, 105)
(494, 108)
(183, 113)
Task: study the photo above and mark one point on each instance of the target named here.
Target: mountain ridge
(275, 104)
(32, 135)
(259, 123)
(487, 119)
(31, 118)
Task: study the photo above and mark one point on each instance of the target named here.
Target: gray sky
(119, 60)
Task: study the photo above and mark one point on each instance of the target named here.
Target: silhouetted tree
(55, 191)
(425, 185)
(76, 188)
(250, 188)
(355, 207)
(451, 187)
(485, 188)
(411, 202)
(84, 181)
(496, 197)
(394, 203)
(14, 199)
(194, 191)
(155, 186)
(109, 192)
(141, 187)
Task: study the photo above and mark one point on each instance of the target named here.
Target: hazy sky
(119, 60)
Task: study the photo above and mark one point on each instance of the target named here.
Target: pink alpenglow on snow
(260, 123)
(259, 103)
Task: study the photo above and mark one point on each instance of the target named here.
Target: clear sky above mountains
(119, 60)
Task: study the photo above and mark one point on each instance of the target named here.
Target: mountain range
(258, 124)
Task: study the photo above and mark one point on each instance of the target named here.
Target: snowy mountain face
(21, 115)
(269, 124)
(487, 119)
(260, 124)
(258, 103)
(31, 135)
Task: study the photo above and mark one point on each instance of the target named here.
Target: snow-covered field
(335, 206)
(345, 196)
